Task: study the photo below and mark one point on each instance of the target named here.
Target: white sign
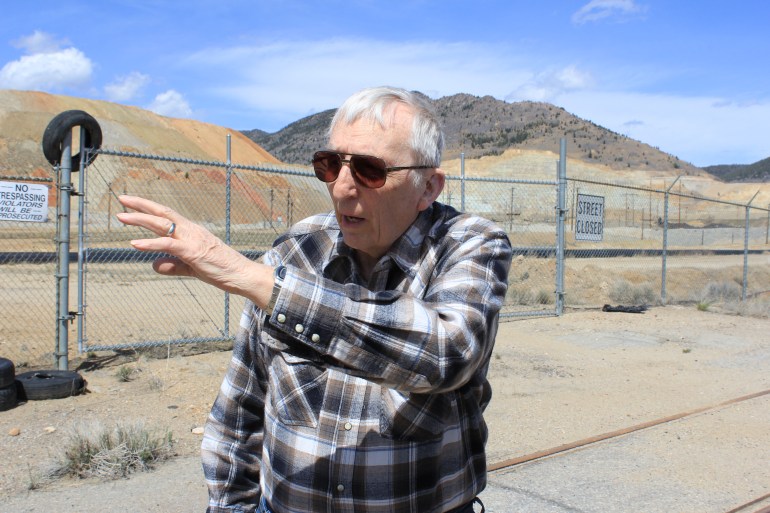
(23, 202)
(589, 220)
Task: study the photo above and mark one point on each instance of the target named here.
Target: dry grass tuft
(112, 452)
(625, 292)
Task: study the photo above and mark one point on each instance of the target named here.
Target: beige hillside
(24, 116)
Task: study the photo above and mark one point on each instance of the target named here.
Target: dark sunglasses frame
(369, 171)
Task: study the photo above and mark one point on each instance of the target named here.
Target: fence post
(561, 210)
(228, 240)
(665, 241)
(63, 254)
(746, 249)
(81, 193)
(767, 226)
(462, 182)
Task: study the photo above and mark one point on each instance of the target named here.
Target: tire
(50, 384)
(7, 373)
(60, 126)
(8, 397)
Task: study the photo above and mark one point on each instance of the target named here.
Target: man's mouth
(352, 219)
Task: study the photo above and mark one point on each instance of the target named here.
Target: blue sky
(691, 78)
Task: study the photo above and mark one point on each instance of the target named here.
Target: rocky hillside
(483, 126)
(24, 116)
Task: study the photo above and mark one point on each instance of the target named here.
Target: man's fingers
(148, 214)
(159, 219)
(158, 225)
(145, 206)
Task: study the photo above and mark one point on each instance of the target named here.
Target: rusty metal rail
(493, 467)
(746, 506)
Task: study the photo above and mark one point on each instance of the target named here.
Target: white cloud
(171, 103)
(597, 10)
(62, 69)
(40, 42)
(127, 87)
(46, 65)
(548, 85)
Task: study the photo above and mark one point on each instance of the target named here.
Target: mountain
(756, 172)
(296, 143)
(24, 116)
(484, 126)
(476, 126)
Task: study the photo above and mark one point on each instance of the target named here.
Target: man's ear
(433, 187)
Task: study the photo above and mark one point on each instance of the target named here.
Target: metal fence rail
(658, 245)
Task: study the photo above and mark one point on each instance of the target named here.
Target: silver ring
(171, 230)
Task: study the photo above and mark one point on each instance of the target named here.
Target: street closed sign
(589, 221)
(23, 202)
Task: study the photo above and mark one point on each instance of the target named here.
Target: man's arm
(429, 338)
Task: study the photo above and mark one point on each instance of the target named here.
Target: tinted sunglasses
(369, 171)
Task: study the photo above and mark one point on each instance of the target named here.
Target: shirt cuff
(279, 275)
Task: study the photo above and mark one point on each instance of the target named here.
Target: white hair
(426, 140)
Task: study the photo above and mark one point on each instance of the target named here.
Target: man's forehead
(393, 115)
(392, 135)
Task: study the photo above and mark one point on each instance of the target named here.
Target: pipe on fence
(63, 251)
(57, 148)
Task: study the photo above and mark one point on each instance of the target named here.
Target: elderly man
(358, 377)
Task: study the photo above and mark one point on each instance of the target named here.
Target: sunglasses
(368, 171)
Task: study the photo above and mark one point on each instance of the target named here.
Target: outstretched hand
(195, 251)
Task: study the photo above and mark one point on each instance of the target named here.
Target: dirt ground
(555, 381)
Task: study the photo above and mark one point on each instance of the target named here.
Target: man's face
(372, 219)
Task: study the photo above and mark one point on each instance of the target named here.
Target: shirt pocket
(416, 417)
(297, 389)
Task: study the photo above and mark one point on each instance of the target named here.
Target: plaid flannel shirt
(363, 396)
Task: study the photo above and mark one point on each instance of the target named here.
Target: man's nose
(345, 183)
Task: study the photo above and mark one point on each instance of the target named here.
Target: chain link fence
(657, 245)
(28, 276)
(662, 246)
(127, 304)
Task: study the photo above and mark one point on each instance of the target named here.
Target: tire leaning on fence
(8, 392)
(60, 126)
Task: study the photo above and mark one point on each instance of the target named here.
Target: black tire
(7, 372)
(60, 126)
(50, 384)
(8, 397)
